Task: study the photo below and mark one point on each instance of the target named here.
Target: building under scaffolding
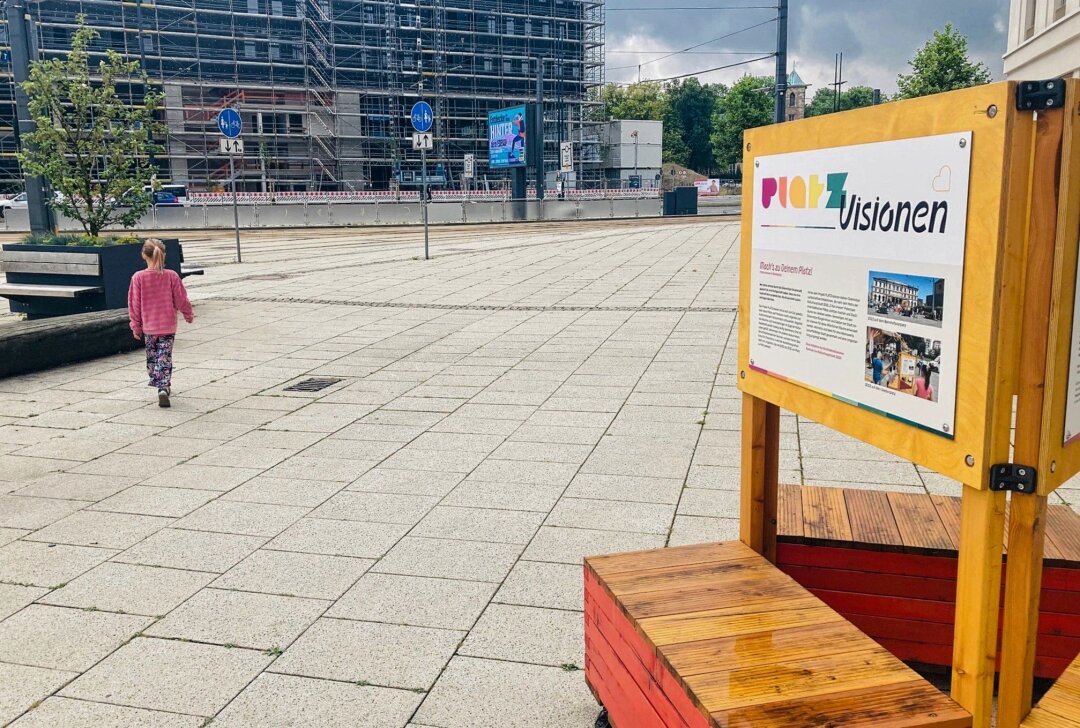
(325, 86)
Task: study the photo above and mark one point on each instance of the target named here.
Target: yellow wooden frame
(1059, 462)
(1000, 167)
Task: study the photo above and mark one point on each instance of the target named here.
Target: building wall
(885, 291)
(325, 86)
(623, 158)
(1044, 39)
(795, 102)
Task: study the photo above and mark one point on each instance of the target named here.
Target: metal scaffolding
(325, 86)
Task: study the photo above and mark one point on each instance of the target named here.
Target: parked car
(17, 202)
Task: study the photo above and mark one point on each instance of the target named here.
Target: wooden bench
(30, 346)
(716, 636)
(1060, 707)
(59, 264)
(888, 563)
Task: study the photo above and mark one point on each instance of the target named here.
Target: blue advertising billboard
(506, 138)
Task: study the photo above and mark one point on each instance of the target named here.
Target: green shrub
(76, 239)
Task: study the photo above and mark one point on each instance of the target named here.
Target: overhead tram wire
(695, 47)
(698, 73)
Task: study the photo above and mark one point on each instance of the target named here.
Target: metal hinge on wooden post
(1013, 477)
(1036, 95)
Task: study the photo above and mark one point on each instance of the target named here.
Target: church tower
(795, 103)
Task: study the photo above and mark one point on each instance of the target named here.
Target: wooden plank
(675, 629)
(1063, 529)
(871, 518)
(902, 705)
(789, 520)
(37, 256)
(1027, 528)
(825, 514)
(978, 594)
(1060, 707)
(758, 475)
(786, 680)
(709, 594)
(948, 509)
(918, 521)
(637, 561)
(687, 577)
(10, 290)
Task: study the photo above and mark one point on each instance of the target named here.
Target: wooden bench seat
(888, 563)
(715, 636)
(1060, 707)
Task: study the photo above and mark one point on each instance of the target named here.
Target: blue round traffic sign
(229, 123)
(422, 116)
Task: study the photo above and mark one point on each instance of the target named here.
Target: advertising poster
(707, 187)
(858, 262)
(506, 138)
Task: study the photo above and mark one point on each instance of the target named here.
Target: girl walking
(155, 295)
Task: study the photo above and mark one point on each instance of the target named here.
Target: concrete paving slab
(47, 565)
(287, 701)
(413, 600)
(449, 559)
(195, 550)
(99, 528)
(528, 634)
(23, 686)
(240, 619)
(251, 519)
(64, 639)
(380, 654)
(130, 588)
(169, 675)
(339, 538)
(316, 576)
(70, 713)
(474, 692)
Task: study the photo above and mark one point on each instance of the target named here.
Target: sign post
(422, 117)
(230, 124)
(468, 172)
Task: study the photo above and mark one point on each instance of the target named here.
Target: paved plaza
(403, 547)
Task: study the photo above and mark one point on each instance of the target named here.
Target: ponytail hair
(154, 251)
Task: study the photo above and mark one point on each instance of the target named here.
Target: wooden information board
(876, 290)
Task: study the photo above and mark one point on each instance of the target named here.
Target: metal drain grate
(312, 385)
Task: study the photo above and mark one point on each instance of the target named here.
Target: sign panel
(470, 166)
(506, 138)
(707, 187)
(423, 141)
(566, 157)
(856, 273)
(229, 123)
(231, 146)
(422, 116)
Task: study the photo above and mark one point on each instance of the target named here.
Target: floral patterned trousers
(159, 360)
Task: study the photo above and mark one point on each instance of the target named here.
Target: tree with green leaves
(92, 146)
(747, 104)
(942, 64)
(645, 100)
(855, 97)
(692, 117)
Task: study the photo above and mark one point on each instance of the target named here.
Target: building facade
(884, 292)
(1044, 39)
(633, 152)
(324, 87)
(795, 104)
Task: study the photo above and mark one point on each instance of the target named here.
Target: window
(528, 26)
(791, 99)
(1029, 19)
(276, 8)
(491, 25)
(488, 66)
(509, 26)
(275, 52)
(1059, 9)
(547, 29)
(253, 6)
(525, 67)
(507, 68)
(249, 49)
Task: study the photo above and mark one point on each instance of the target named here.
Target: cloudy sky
(877, 37)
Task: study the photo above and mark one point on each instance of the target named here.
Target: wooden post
(760, 467)
(978, 594)
(1027, 525)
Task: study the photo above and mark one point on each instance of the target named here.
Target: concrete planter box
(116, 265)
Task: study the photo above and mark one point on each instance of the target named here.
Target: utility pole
(18, 20)
(781, 62)
(838, 79)
(539, 130)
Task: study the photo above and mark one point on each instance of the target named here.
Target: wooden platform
(1060, 707)
(715, 636)
(887, 562)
